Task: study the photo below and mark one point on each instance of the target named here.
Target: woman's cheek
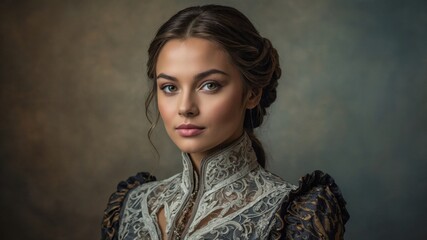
(165, 109)
(226, 111)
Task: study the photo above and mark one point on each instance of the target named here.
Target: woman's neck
(196, 159)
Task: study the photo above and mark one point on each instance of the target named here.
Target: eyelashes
(211, 86)
(168, 88)
(207, 87)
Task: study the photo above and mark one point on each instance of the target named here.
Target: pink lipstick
(189, 130)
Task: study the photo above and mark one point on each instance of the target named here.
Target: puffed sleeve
(110, 220)
(315, 210)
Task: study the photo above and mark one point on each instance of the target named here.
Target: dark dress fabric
(315, 210)
(111, 219)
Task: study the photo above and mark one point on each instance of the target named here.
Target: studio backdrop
(352, 102)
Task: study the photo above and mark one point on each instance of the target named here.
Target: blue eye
(169, 88)
(210, 86)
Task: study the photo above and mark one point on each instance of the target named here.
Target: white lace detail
(237, 199)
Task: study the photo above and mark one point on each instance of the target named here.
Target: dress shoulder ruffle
(110, 221)
(315, 210)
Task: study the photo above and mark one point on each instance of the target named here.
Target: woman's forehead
(192, 54)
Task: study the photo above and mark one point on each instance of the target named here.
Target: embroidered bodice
(233, 198)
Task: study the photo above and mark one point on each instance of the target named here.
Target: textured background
(352, 102)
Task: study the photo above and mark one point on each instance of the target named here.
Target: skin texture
(198, 84)
(215, 102)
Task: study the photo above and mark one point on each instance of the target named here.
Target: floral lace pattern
(315, 210)
(110, 220)
(237, 199)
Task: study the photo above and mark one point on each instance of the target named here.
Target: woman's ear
(253, 98)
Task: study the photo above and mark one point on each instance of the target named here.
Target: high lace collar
(222, 166)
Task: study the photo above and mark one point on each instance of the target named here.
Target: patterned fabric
(316, 210)
(236, 199)
(110, 221)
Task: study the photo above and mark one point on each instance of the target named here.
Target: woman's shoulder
(110, 221)
(315, 209)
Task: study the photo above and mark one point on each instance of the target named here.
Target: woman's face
(199, 95)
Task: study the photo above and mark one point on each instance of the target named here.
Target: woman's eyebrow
(165, 76)
(198, 77)
(202, 75)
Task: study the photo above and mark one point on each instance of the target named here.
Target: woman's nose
(188, 105)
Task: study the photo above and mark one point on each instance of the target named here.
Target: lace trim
(110, 221)
(237, 199)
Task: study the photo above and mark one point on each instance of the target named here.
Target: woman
(213, 78)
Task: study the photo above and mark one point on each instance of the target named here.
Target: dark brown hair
(254, 56)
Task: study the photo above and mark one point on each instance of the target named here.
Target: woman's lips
(189, 130)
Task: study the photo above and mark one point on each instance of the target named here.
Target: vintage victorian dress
(233, 198)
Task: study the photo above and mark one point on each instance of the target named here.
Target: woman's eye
(210, 86)
(169, 88)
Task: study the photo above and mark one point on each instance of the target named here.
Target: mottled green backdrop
(352, 102)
